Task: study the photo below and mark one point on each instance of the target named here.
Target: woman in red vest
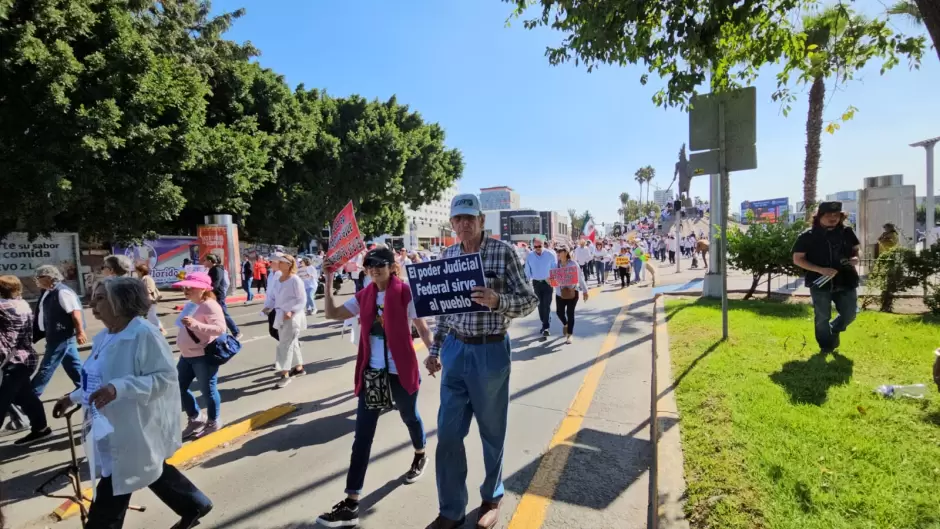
(386, 366)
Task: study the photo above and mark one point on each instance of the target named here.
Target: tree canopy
(126, 118)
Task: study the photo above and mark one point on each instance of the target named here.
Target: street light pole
(930, 204)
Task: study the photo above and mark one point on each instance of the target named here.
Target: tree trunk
(755, 281)
(930, 10)
(814, 121)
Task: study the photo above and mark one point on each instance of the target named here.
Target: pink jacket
(208, 324)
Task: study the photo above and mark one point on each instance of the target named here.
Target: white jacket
(146, 413)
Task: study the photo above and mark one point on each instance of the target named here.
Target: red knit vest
(397, 332)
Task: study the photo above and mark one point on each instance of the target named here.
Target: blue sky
(560, 136)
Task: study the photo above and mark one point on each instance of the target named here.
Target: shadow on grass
(761, 307)
(933, 418)
(677, 380)
(808, 381)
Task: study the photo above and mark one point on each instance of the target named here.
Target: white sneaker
(283, 382)
(194, 426)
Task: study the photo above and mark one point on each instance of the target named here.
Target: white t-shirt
(67, 299)
(309, 276)
(376, 345)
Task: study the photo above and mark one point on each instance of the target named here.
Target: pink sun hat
(195, 280)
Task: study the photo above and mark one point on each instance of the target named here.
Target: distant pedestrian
(220, 287)
(259, 274)
(538, 266)
(248, 275)
(566, 297)
(623, 270)
(308, 274)
(143, 272)
(19, 360)
(386, 356)
(117, 266)
(58, 319)
(601, 256)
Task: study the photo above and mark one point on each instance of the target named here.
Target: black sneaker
(344, 514)
(835, 340)
(188, 522)
(32, 437)
(545, 332)
(417, 468)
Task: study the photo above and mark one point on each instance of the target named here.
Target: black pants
(271, 330)
(172, 487)
(544, 292)
(16, 389)
(624, 274)
(586, 269)
(565, 310)
(262, 283)
(672, 257)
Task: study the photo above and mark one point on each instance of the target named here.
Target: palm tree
(911, 10)
(640, 177)
(649, 174)
(575, 225)
(823, 34)
(624, 198)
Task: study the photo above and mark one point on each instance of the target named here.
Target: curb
(667, 479)
(194, 449)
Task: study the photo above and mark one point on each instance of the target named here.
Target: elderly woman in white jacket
(132, 400)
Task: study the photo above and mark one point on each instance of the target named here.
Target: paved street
(283, 476)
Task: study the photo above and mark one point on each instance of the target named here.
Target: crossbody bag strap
(192, 335)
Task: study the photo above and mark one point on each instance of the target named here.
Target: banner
(163, 255)
(214, 240)
(20, 257)
(563, 277)
(622, 261)
(444, 286)
(345, 240)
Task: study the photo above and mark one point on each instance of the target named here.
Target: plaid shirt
(516, 296)
(16, 334)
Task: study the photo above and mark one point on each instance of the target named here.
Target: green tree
(575, 222)
(689, 43)
(914, 11)
(837, 44)
(380, 155)
(764, 250)
(96, 119)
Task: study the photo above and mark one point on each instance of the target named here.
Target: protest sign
(345, 240)
(622, 261)
(563, 277)
(444, 286)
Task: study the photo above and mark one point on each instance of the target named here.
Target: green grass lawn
(777, 436)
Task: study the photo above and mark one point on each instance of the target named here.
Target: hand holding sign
(485, 296)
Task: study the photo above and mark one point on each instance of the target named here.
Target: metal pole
(931, 232)
(678, 214)
(723, 169)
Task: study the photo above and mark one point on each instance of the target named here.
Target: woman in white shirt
(308, 274)
(288, 300)
(131, 400)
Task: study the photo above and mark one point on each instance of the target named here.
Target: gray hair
(127, 295)
(50, 271)
(121, 265)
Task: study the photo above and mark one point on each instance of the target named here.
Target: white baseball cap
(466, 204)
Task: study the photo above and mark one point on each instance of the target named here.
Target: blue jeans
(172, 488)
(246, 284)
(310, 293)
(366, 421)
(846, 302)
(601, 272)
(229, 322)
(199, 368)
(65, 353)
(637, 268)
(475, 382)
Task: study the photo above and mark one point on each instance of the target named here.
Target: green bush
(892, 274)
(764, 250)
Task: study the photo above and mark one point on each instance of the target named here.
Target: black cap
(830, 207)
(378, 256)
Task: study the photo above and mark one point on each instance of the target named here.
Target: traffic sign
(740, 119)
(738, 158)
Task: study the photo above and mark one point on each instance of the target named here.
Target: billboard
(164, 256)
(20, 256)
(772, 211)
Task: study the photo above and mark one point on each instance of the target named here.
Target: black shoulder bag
(376, 384)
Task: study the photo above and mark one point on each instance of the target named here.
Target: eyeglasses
(537, 247)
(375, 264)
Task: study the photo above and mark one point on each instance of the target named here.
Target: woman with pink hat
(203, 321)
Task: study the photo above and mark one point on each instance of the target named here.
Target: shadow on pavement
(808, 381)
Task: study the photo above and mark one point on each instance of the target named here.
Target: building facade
(663, 197)
(427, 226)
(523, 225)
(499, 198)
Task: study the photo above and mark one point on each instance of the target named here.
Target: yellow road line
(530, 514)
(196, 448)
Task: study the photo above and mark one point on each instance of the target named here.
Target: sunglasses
(375, 264)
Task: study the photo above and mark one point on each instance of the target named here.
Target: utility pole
(930, 203)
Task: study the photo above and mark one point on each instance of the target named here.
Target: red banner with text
(565, 276)
(345, 240)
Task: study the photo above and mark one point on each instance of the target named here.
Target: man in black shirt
(829, 253)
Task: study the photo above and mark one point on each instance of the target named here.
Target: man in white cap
(473, 350)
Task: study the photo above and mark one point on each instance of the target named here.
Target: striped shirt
(502, 269)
